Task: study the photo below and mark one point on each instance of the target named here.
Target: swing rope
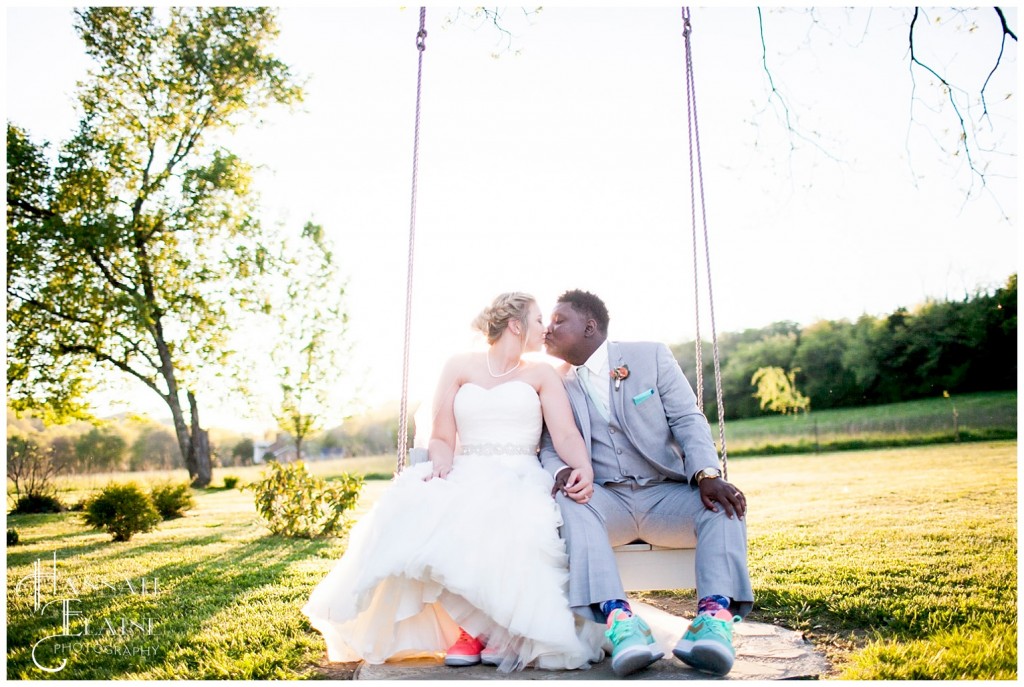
(697, 179)
(403, 413)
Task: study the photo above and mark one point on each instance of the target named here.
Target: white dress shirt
(600, 369)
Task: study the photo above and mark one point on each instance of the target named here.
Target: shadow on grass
(192, 591)
(59, 542)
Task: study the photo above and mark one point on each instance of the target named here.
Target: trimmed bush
(37, 503)
(296, 503)
(230, 482)
(122, 510)
(12, 537)
(172, 500)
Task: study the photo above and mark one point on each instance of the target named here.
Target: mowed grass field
(897, 563)
(980, 417)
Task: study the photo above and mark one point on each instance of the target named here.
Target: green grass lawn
(905, 557)
(981, 417)
(898, 563)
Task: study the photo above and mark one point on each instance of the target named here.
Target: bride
(461, 554)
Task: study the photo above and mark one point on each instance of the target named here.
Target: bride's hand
(580, 485)
(441, 469)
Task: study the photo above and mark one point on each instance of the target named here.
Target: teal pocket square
(640, 398)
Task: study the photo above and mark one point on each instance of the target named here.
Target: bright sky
(565, 165)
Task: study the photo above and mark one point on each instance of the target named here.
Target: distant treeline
(955, 346)
(124, 443)
(959, 347)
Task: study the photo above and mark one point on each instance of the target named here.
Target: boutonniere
(618, 374)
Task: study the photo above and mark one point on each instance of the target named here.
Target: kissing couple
(469, 555)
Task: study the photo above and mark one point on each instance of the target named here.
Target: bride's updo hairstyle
(494, 319)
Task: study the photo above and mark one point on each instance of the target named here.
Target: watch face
(709, 473)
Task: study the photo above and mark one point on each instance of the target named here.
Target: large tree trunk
(181, 431)
(198, 460)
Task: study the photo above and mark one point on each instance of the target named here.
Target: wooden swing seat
(646, 567)
(642, 567)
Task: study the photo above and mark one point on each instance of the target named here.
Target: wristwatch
(707, 473)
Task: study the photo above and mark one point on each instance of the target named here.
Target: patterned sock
(712, 604)
(609, 606)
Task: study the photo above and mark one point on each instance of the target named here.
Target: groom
(656, 478)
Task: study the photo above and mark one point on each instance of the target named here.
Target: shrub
(296, 503)
(37, 503)
(32, 468)
(230, 482)
(122, 510)
(12, 537)
(172, 500)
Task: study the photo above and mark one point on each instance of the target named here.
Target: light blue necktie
(584, 375)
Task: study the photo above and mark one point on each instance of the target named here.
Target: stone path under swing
(763, 652)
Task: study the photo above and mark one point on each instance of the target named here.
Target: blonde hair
(494, 319)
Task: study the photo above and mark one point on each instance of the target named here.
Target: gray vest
(614, 458)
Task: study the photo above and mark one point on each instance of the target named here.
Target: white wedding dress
(479, 549)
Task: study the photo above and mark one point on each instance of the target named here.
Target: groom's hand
(719, 491)
(561, 477)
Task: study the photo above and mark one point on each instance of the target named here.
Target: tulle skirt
(479, 549)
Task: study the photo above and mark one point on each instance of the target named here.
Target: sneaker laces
(467, 641)
(722, 628)
(623, 628)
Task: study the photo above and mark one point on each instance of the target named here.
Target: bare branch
(494, 17)
(777, 95)
(999, 58)
(949, 91)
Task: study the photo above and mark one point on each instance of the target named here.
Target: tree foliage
(309, 325)
(777, 392)
(102, 448)
(960, 346)
(132, 442)
(130, 254)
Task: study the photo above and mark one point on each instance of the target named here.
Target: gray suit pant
(660, 513)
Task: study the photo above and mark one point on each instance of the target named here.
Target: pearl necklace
(509, 371)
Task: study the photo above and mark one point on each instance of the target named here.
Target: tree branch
(119, 364)
(999, 58)
(41, 213)
(777, 94)
(13, 293)
(107, 274)
(949, 92)
(133, 346)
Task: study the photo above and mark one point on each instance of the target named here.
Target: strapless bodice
(507, 415)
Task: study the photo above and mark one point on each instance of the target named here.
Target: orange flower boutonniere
(618, 374)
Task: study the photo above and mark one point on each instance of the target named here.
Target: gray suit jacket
(666, 426)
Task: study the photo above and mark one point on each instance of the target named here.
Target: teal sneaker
(632, 644)
(707, 644)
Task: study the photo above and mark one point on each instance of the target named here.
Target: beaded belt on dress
(497, 449)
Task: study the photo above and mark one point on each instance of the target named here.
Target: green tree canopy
(131, 253)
